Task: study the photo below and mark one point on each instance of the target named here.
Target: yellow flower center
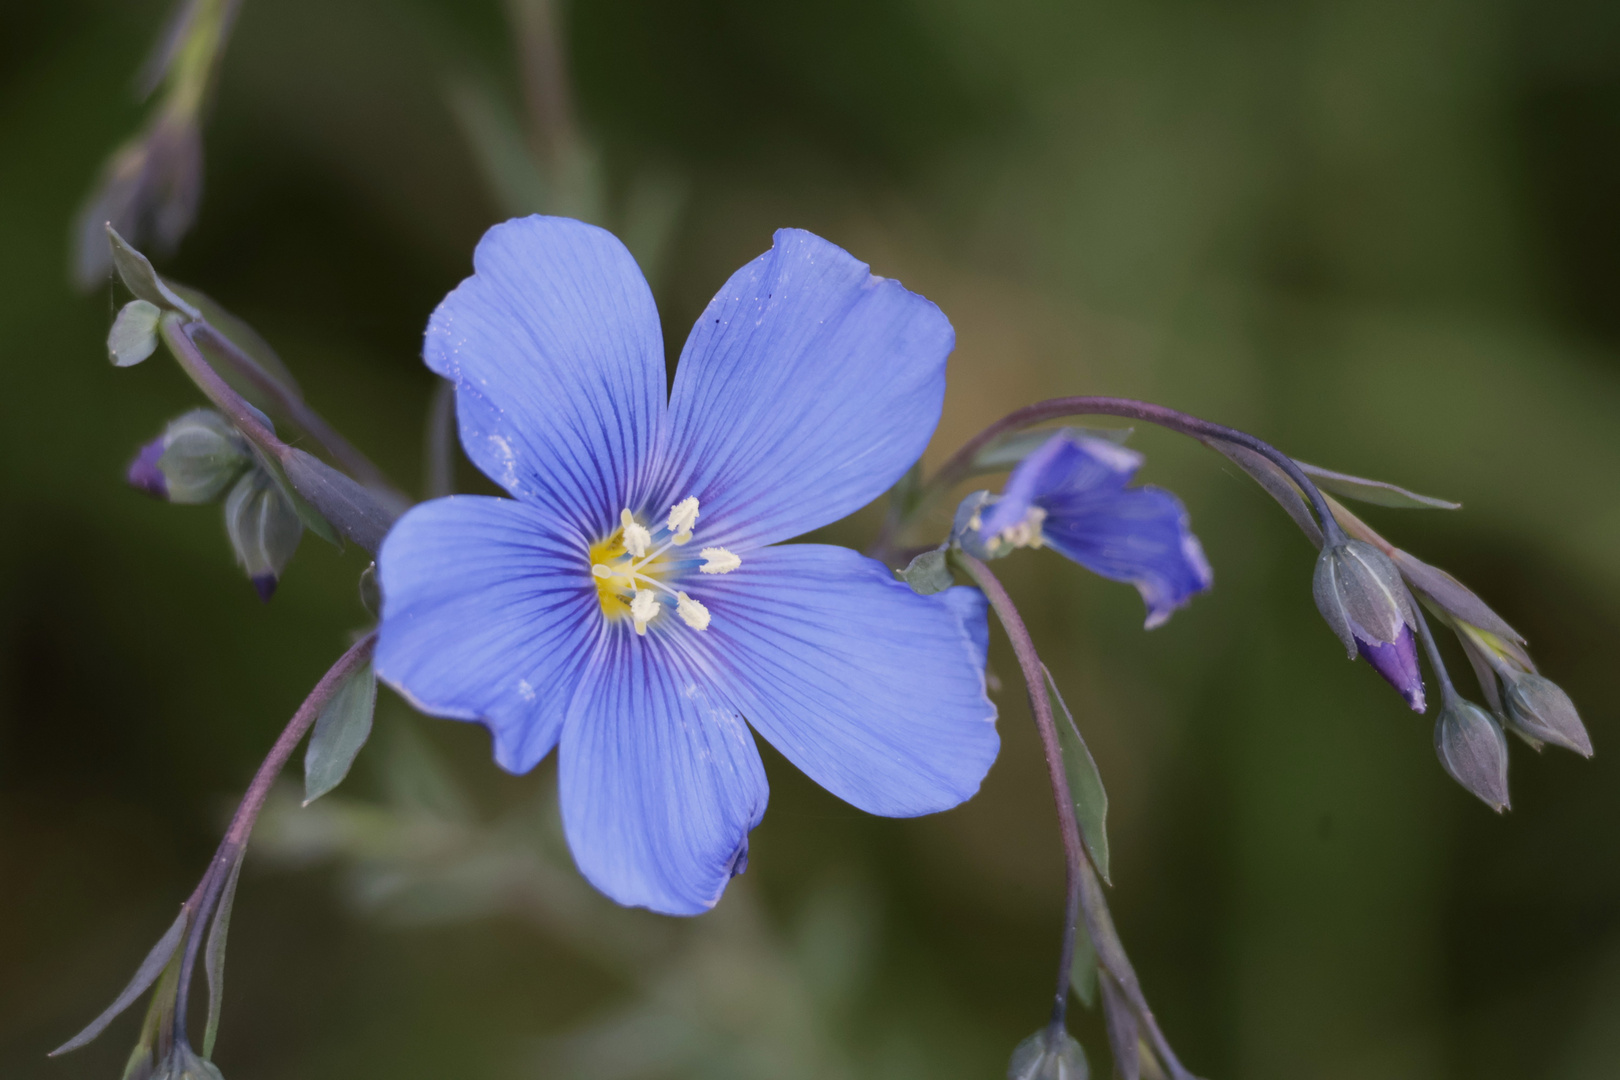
(629, 570)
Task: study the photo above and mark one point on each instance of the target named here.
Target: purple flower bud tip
(144, 474)
(265, 585)
(1397, 662)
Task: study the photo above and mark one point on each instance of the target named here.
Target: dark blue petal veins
(487, 615)
(874, 691)
(806, 389)
(1139, 535)
(659, 778)
(558, 360)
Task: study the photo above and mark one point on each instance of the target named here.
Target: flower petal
(1063, 466)
(487, 615)
(874, 691)
(558, 361)
(806, 389)
(1139, 535)
(660, 781)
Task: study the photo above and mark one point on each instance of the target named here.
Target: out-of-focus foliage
(1384, 236)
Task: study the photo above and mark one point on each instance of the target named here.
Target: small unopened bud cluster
(199, 458)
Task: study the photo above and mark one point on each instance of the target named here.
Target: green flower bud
(202, 456)
(1048, 1055)
(184, 1063)
(1472, 748)
(264, 529)
(1539, 709)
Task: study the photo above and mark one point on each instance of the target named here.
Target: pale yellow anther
(717, 560)
(693, 613)
(681, 539)
(1026, 533)
(636, 537)
(602, 570)
(644, 609)
(683, 516)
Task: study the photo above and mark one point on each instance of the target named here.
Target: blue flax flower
(1070, 496)
(629, 604)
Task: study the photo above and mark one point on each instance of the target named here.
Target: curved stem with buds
(960, 466)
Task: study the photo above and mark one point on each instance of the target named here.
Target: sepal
(1538, 709)
(1049, 1054)
(1473, 749)
(264, 529)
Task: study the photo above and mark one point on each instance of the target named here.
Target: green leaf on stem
(340, 731)
(1083, 971)
(1085, 783)
(929, 573)
(337, 500)
(1376, 492)
(133, 336)
(136, 272)
(145, 976)
(214, 954)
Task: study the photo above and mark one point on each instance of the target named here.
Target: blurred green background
(1384, 235)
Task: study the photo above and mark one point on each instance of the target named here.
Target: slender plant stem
(960, 466)
(217, 390)
(537, 26)
(1084, 895)
(299, 411)
(1447, 692)
(203, 898)
(1040, 705)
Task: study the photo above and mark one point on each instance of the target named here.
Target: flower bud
(1359, 592)
(1473, 750)
(202, 454)
(148, 192)
(144, 473)
(1539, 709)
(1048, 1055)
(184, 1063)
(264, 529)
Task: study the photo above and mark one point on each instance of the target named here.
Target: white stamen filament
(717, 560)
(626, 575)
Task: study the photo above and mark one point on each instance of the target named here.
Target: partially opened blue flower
(1070, 495)
(629, 605)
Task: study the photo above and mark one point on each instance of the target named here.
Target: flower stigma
(634, 567)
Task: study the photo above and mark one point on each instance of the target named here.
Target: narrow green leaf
(1083, 972)
(214, 953)
(145, 976)
(500, 149)
(929, 573)
(133, 336)
(139, 278)
(340, 731)
(338, 500)
(1376, 492)
(1085, 784)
